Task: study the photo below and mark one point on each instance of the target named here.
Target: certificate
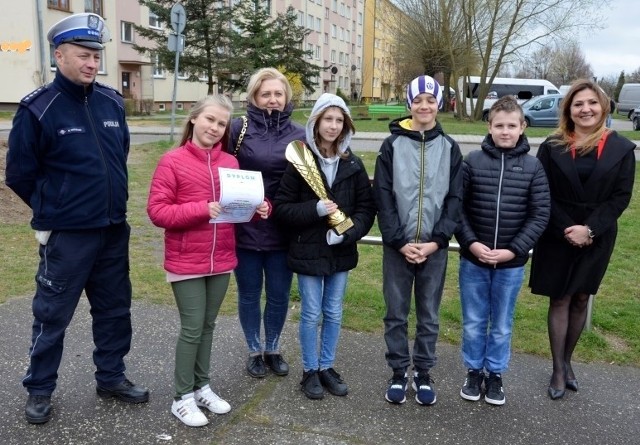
(241, 191)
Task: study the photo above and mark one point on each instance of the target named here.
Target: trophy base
(343, 226)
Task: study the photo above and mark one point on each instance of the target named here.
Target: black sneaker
(277, 364)
(126, 391)
(255, 366)
(495, 393)
(310, 385)
(38, 409)
(331, 380)
(423, 386)
(472, 385)
(396, 392)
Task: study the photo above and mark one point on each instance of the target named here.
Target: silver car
(542, 111)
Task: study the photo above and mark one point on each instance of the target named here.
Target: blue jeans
(254, 267)
(320, 296)
(488, 297)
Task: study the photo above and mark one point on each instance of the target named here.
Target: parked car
(635, 118)
(628, 99)
(542, 111)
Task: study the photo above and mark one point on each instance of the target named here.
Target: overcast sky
(616, 47)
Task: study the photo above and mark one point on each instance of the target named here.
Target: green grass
(613, 339)
(450, 124)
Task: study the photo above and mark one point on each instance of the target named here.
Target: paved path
(274, 411)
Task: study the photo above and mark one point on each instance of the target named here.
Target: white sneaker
(188, 412)
(210, 400)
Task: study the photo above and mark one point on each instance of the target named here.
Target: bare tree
(634, 77)
(478, 37)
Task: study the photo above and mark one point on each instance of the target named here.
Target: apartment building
(340, 31)
(379, 64)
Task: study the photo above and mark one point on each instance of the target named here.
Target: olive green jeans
(198, 301)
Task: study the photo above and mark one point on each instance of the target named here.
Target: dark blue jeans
(254, 268)
(96, 261)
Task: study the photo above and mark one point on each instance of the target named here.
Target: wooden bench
(387, 110)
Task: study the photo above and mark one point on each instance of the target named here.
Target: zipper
(214, 226)
(421, 188)
(104, 162)
(499, 199)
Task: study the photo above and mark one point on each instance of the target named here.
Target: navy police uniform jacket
(67, 155)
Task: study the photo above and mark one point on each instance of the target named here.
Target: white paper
(241, 191)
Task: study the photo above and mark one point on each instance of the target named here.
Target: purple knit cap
(423, 84)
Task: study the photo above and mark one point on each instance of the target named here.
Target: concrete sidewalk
(274, 410)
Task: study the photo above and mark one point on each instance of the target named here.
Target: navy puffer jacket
(506, 203)
(262, 149)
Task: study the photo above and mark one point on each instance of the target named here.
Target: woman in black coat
(591, 172)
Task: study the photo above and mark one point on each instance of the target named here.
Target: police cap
(85, 29)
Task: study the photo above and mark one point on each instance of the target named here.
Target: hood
(325, 101)
(488, 146)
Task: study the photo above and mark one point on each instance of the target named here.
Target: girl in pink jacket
(199, 256)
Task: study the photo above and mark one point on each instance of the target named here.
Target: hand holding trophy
(302, 159)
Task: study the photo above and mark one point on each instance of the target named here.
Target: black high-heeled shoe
(555, 393)
(571, 384)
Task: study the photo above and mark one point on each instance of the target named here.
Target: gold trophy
(302, 159)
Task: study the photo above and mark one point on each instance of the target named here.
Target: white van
(629, 98)
(523, 89)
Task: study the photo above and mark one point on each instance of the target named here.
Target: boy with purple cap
(67, 160)
(418, 191)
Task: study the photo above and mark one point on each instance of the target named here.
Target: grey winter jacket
(418, 186)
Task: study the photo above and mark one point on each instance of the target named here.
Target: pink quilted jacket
(185, 181)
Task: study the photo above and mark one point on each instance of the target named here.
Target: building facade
(342, 41)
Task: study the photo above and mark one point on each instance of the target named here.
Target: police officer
(67, 158)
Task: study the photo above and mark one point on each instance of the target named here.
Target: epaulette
(34, 94)
(108, 87)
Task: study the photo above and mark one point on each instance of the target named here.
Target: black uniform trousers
(96, 261)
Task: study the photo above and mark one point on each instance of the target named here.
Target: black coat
(505, 203)
(557, 267)
(294, 208)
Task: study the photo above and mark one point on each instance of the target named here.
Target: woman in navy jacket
(259, 143)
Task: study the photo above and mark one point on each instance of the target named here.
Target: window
(310, 22)
(334, 5)
(318, 24)
(359, 18)
(94, 6)
(326, 38)
(333, 56)
(309, 50)
(158, 69)
(318, 52)
(154, 21)
(300, 18)
(326, 13)
(127, 32)
(359, 40)
(334, 31)
(58, 4)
